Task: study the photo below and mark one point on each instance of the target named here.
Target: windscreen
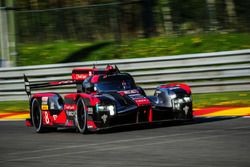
(115, 83)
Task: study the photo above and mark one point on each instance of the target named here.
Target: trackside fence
(204, 72)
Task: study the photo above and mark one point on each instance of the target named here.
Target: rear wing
(31, 86)
(78, 76)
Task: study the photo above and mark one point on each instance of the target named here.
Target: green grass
(227, 99)
(57, 51)
(47, 53)
(199, 101)
(14, 106)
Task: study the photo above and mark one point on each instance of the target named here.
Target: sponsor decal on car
(45, 100)
(104, 118)
(45, 107)
(71, 113)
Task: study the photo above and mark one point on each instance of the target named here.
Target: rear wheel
(81, 116)
(36, 116)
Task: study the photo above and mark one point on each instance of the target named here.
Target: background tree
(128, 19)
(166, 16)
(230, 7)
(213, 23)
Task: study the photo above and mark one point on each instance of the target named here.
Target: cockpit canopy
(118, 82)
(108, 83)
(94, 79)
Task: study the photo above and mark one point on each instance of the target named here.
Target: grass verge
(61, 51)
(14, 106)
(226, 99)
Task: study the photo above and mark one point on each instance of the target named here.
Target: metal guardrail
(204, 72)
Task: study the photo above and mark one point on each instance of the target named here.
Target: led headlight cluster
(176, 104)
(109, 108)
(188, 99)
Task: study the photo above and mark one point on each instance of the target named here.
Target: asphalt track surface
(204, 142)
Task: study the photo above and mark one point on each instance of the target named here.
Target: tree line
(89, 20)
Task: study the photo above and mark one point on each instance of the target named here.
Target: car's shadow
(163, 124)
(84, 52)
(160, 124)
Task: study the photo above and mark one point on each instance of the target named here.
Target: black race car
(105, 98)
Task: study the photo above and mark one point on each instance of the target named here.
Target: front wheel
(188, 112)
(81, 117)
(183, 112)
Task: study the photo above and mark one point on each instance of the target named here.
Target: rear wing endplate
(31, 86)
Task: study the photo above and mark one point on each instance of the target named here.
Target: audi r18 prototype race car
(105, 98)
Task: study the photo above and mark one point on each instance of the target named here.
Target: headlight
(109, 108)
(188, 99)
(176, 104)
(101, 108)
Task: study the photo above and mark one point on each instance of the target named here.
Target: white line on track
(120, 141)
(111, 142)
(101, 148)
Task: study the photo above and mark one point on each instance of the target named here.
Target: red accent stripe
(181, 85)
(93, 100)
(95, 79)
(28, 123)
(70, 123)
(142, 101)
(61, 82)
(61, 118)
(43, 95)
(70, 96)
(150, 117)
(210, 110)
(91, 123)
(83, 69)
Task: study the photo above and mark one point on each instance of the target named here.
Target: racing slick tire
(190, 115)
(36, 116)
(181, 114)
(81, 117)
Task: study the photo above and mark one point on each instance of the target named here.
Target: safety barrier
(204, 72)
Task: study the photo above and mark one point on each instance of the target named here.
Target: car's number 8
(46, 117)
